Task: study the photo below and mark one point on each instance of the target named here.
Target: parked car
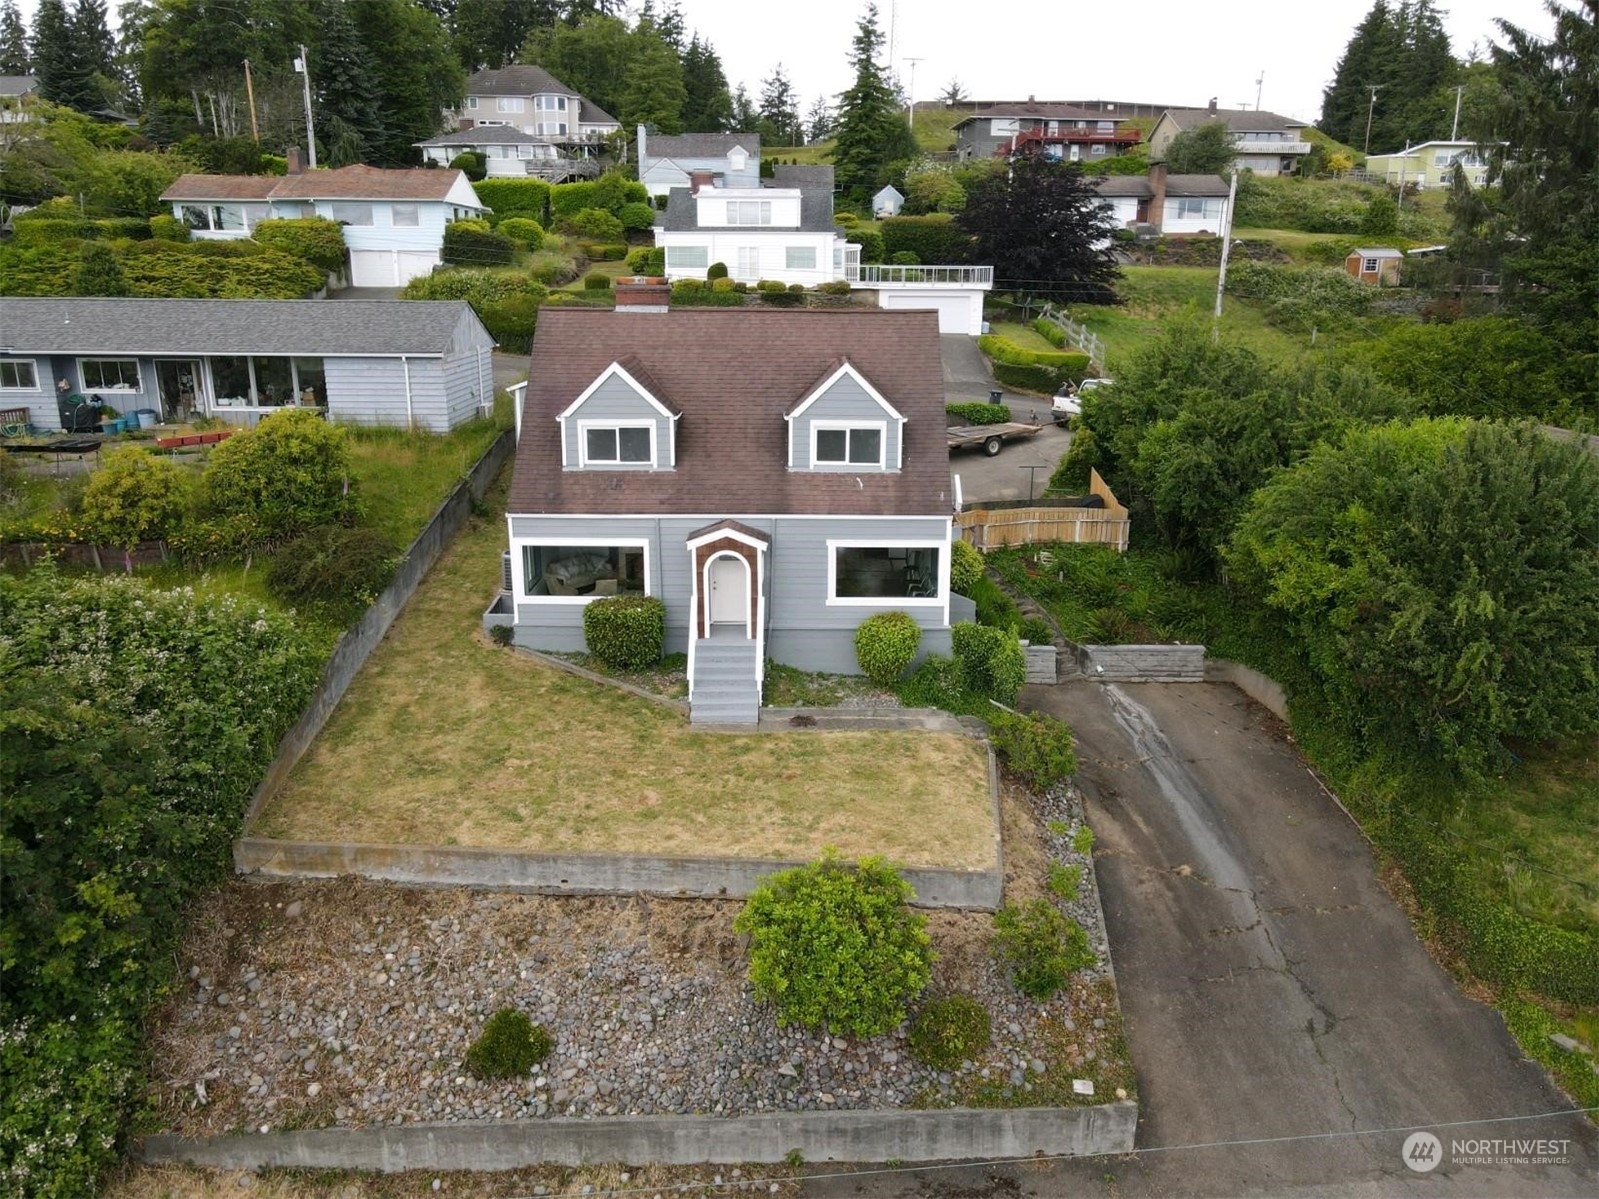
(1068, 400)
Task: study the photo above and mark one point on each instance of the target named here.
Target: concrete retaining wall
(358, 642)
(1265, 691)
(1040, 663)
(576, 873)
(918, 1136)
(1143, 663)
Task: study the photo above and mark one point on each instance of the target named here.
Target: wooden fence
(988, 526)
(1078, 336)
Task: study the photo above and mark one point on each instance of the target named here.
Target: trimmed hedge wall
(476, 247)
(933, 239)
(870, 241)
(516, 197)
(1045, 380)
(320, 242)
(1003, 349)
(977, 413)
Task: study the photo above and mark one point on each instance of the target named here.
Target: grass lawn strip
(445, 739)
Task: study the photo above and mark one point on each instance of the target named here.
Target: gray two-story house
(729, 159)
(774, 477)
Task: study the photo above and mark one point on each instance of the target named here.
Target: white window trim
(763, 213)
(583, 459)
(672, 250)
(1370, 266)
(881, 426)
(939, 600)
(33, 366)
(137, 371)
(415, 208)
(519, 592)
(509, 104)
(788, 258)
(471, 101)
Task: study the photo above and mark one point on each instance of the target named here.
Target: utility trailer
(991, 438)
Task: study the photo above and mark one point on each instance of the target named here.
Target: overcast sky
(1159, 51)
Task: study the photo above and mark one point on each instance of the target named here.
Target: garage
(960, 309)
(388, 268)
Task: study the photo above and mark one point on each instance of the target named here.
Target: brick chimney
(642, 293)
(1157, 203)
(296, 162)
(699, 179)
(1212, 106)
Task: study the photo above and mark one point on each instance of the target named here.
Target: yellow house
(1429, 165)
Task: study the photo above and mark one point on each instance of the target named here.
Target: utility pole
(249, 90)
(911, 117)
(1226, 245)
(1260, 82)
(1454, 131)
(1370, 109)
(303, 65)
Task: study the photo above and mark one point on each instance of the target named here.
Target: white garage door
(413, 264)
(958, 311)
(372, 268)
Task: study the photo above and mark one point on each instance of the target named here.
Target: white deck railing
(882, 274)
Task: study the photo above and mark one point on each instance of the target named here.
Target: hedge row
(515, 197)
(1050, 332)
(1003, 349)
(870, 241)
(935, 238)
(977, 413)
(465, 242)
(51, 231)
(196, 270)
(1045, 380)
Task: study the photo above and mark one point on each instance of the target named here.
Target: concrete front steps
(724, 689)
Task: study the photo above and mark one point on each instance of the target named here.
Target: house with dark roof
(1058, 131)
(408, 363)
(16, 93)
(393, 219)
(731, 159)
(530, 99)
(1176, 205)
(1266, 143)
(771, 509)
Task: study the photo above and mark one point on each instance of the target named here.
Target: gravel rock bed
(345, 1003)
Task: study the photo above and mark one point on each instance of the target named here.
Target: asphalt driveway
(1022, 468)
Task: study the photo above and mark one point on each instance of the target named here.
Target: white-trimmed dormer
(737, 159)
(747, 207)
(845, 424)
(621, 421)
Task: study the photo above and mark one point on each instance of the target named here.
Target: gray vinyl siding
(615, 400)
(463, 391)
(371, 391)
(846, 400)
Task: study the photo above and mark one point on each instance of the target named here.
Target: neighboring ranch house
(532, 100)
(1058, 131)
(1265, 143)
(775, 477)
(1431, 164)
(1379, 267)
(408, 363)
(393, 220)
(1176, 205)
(730, 159)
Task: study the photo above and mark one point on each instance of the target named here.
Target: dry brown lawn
(446, 739)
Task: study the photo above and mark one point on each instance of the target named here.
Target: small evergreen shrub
(1040, 946)
(717, 270)
(836, 946)
(595, 224)
(769, 285)
(332, 565)
(1036, 747)
(1064, 880)
(992, 658)
(784, 299)
(527, 233)
(502, 634)
(885, 644)
(977, 413)
(637, 217)
(596, 281)
(596, 251)
(870, 241)
(965, 566)
(949, 1031)
(134, 497)
(847, 219)
(472, 164)
(647, 261)
(508, 1047)
(834, 287)
(939, 682)
(1035, 631)
(904, 258)
(625, 631)
(722, 285)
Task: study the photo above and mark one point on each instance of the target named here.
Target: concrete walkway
(966, 374)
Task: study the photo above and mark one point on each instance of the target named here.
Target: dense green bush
(885, 645)
(333, 566)
(647, 261)
(1490, 366)
(596, 281)
(569, 199)
(935, 238)
(134, 497)
(992, 660)
(949, 1031)
(168, 228)
(471, 246)
(939, 682)
(595, 224)
(995, 608)
(1302, 297)
(471, 164)
(904, 258)
(52, 231)
(524, 232)
(134, 228)
(625, 631)
(1041, 947)
(288, 474)
(835, 946)
(598, 251)
(965, 566)
(870, 241)
(528, 198)
(717, 270)
(1039, 380)
(508, 1047)
(215, 270)
(975, 412)
(1050, 332)
(318, 241)
(835, 287)
(1036, 747)
(1003, 349)
(783, 299)
(637, 217)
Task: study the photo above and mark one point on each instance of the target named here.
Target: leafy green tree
(1044, 228)
(488, 33)
(654, 94)
(98, 274)
(1442, 581)
(134, 497)
(592, 56)
(1205, 150)
(932, 187)
(707, 104)
(873, 142)
(288, 474)
(13, 41)
(780, 118)
(1491, 366)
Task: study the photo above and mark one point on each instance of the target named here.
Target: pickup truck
(1068, 400)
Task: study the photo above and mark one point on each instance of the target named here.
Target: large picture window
(583, 571)
(404, 216)
(869, 573)
(799, 258)
(749, 212)
(686, 258)
(352, 214)
(110, 374)
(618, 445)
(847, 445)
(264, 382)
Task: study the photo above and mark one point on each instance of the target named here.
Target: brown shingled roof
(361, 182)
(221, 187)
(735, 372)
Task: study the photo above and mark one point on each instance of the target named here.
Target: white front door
(749, 263)
(730, 600)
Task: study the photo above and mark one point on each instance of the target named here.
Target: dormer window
(749, 212)
(617, 444)
(847, 444)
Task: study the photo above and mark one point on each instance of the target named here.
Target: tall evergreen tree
(1404, 54)
(820, 121)
(345, 85)
(416, 72)
(780, 118)
(873, 138)
(591, 56)
(98, 273)
(744, 115)
(488, 33)
(707, 104)
(654, 93)
(13, 40)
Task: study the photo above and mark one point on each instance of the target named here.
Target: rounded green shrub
(965, 566)
(135, 497)
(949, 1031)
(717, 270)
(334, 564)
(834, 287)
(647, 261)
(625, 631)
(636, 216)
(527, 233)
(992, 659)
(1035, 746)
(848, 219)
(939, 682)
(1040, 946)
(724, 284)
(769, 285)
(288, 474)
(905, 258)
(508, 1047)
(596, 281)
(885, 644)
(471, 163)
(835, 946)
(594, 224)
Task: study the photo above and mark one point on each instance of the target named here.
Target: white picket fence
(1078, 337)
